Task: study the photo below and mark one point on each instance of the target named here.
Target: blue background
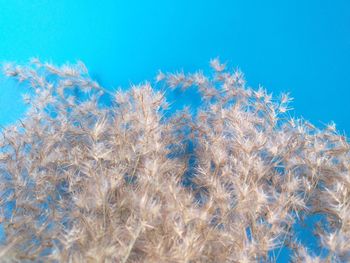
(298, 46)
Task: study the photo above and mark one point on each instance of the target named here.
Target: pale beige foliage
(94, 183)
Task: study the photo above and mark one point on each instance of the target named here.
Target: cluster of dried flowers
(81, 181)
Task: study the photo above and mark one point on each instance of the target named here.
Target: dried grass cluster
(82, 181)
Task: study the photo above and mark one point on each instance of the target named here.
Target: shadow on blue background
(298, 46)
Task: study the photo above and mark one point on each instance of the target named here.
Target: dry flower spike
(130, 183)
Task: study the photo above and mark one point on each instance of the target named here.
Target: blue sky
(298, 46)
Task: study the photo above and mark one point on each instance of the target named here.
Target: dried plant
(94, 176)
